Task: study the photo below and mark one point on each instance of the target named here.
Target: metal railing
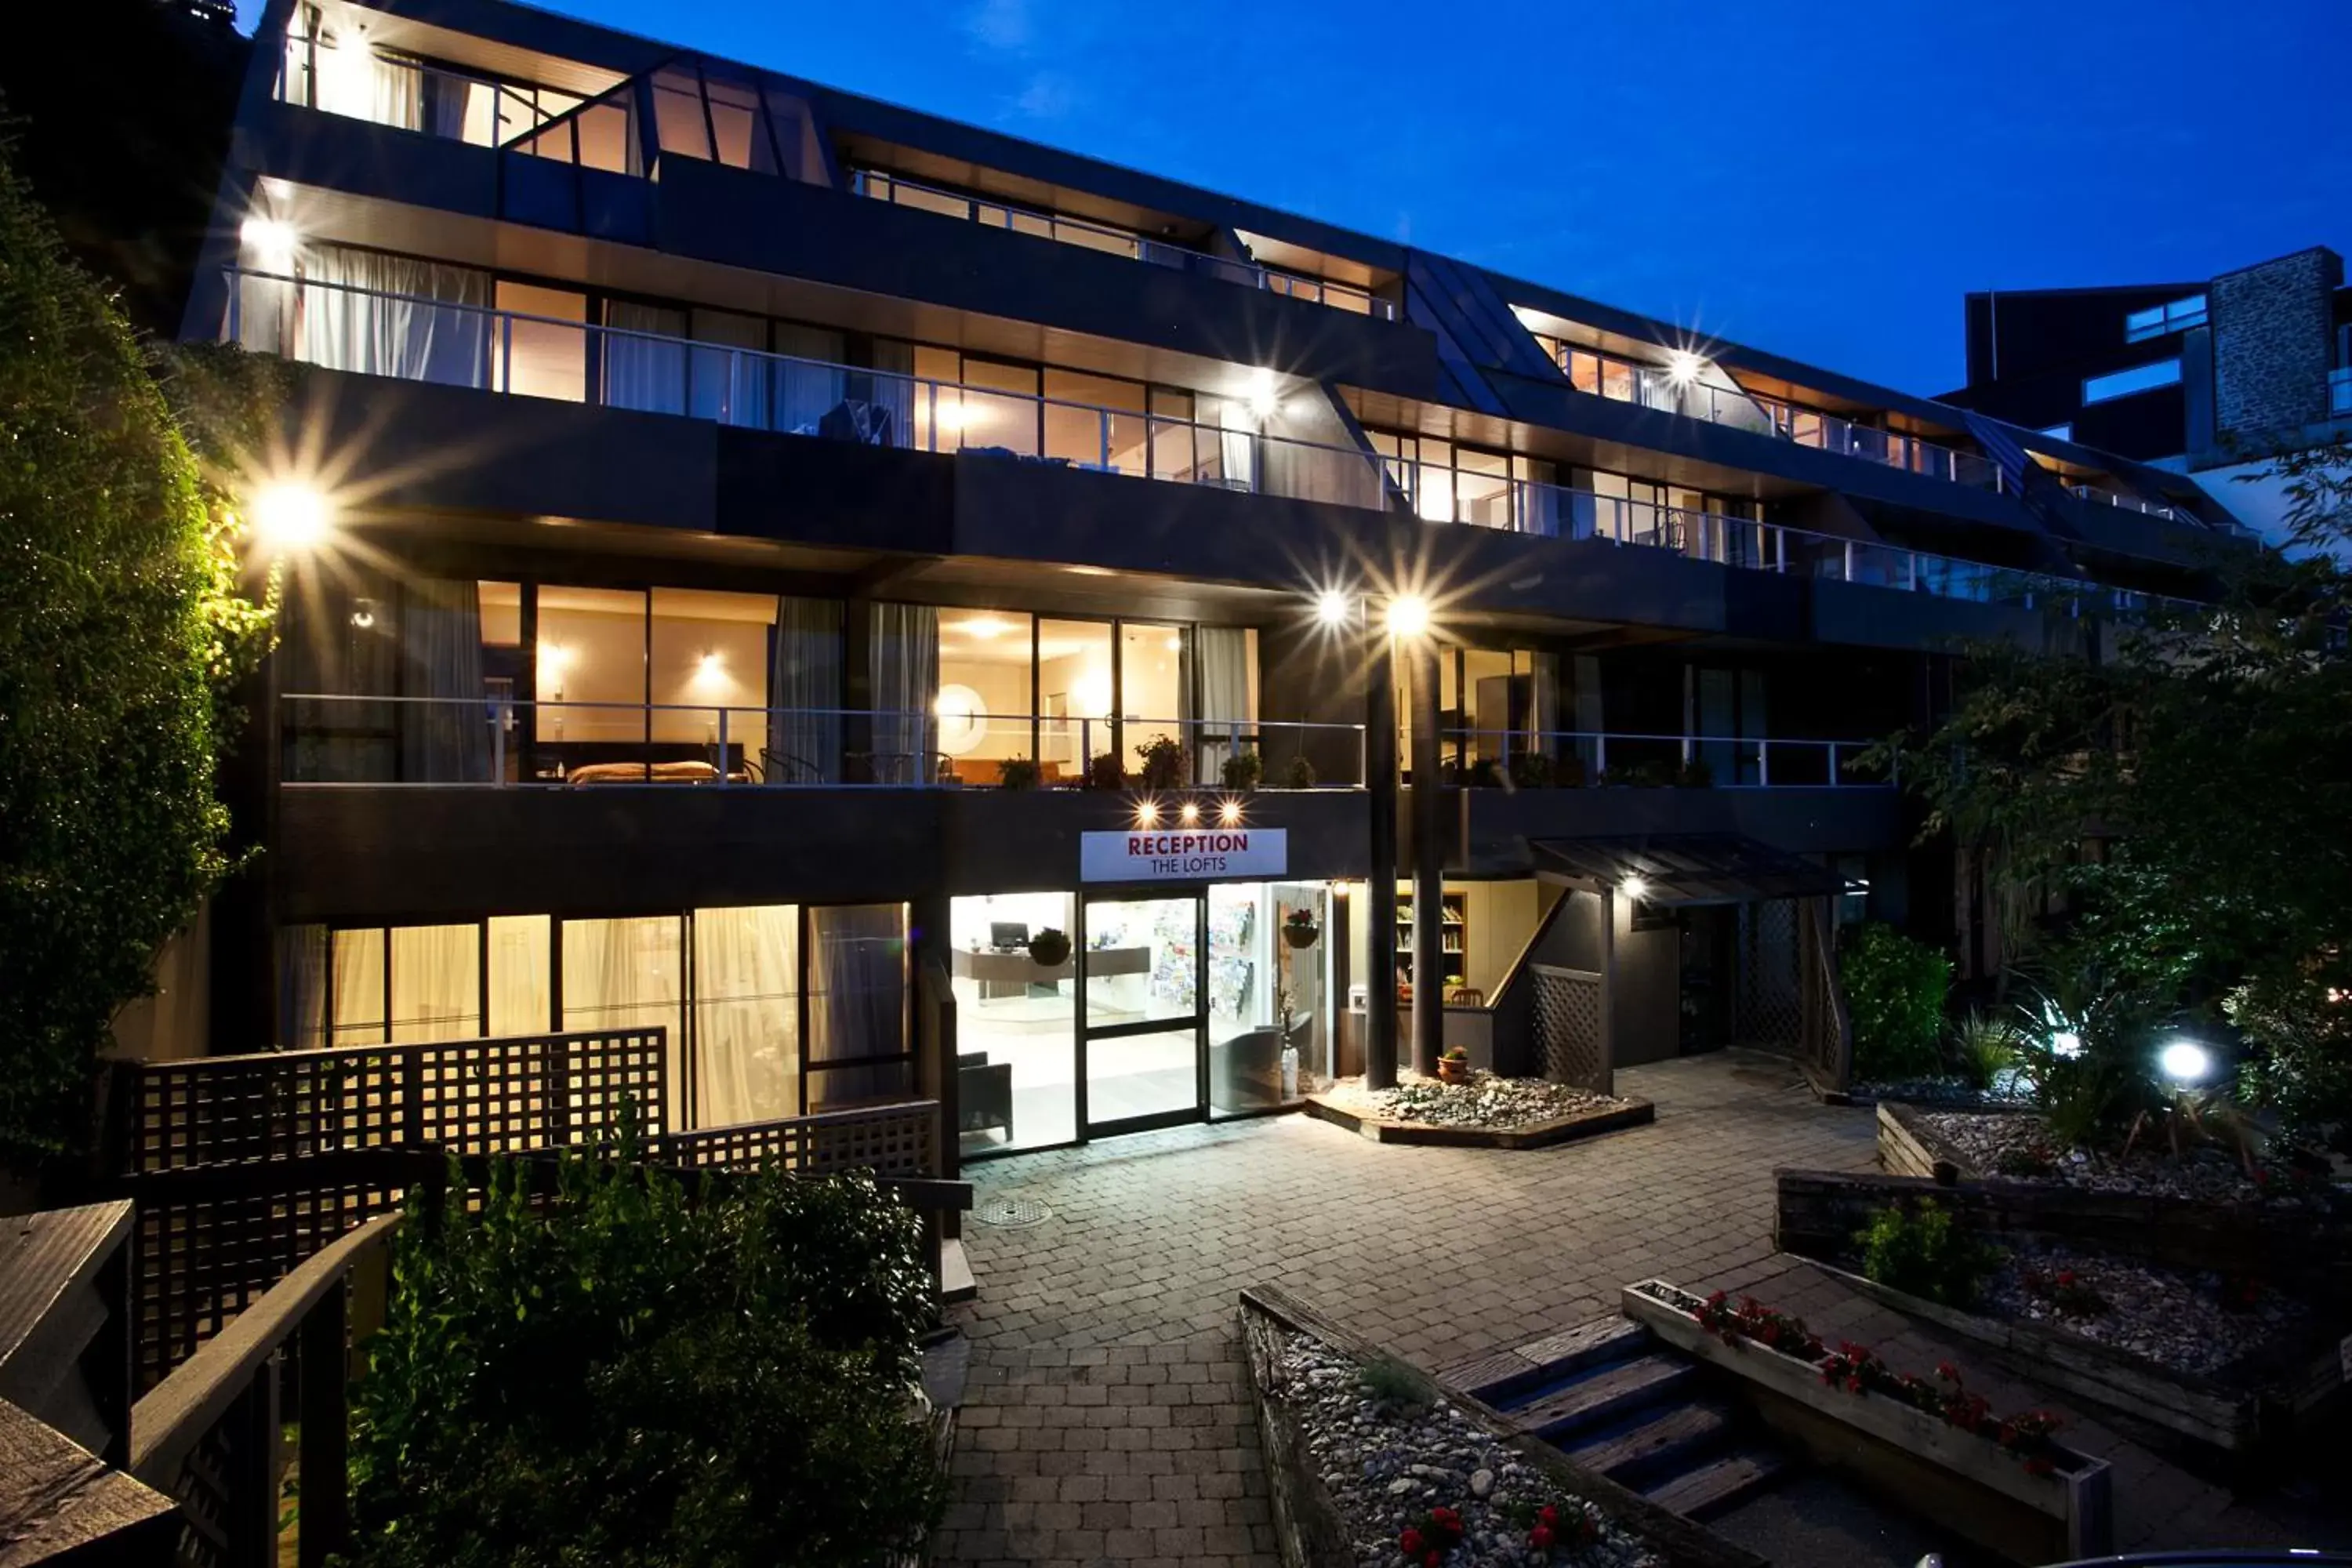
(901, 192)
(408, 337)
(1528, 758)
(2126, 503)
(328, 739)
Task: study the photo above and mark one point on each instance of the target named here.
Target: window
(2125, 383)
(2060, 432)
(2159, 320)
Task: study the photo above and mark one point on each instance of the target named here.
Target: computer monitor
(1008, 934)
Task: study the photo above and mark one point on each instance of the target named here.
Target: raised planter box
(1535, 1135)
(1960, 1476)
(2257, 1399)
(1904, 1147)
(1308, 1529)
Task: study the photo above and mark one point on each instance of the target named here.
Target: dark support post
(935, 1042)
(1380, 883)
(1428, 864)
(324, 1527)
(858, 691)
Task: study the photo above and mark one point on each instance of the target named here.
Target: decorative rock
(1481, 1482)
(1986, 1144)
(1487, 1102)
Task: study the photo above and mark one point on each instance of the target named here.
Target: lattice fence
(1568, 1037)
(900, 1140)
(470, 1096)
(1768, 1000)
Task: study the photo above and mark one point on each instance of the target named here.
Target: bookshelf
(1456, 936)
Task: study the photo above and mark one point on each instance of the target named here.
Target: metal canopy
(1678, 869)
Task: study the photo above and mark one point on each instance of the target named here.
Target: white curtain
(1222, 655)
(446, 740)
(627, 975)
(809, 382)
(437, 982)
(1236, 447)
(301, 987)
(358, 971)
(904, 670)
(857, 1003)
(519, 950)
(746, 1014)
(730, 387)
(643, 370)
(893, 388)
(805, 687)
(382, 315)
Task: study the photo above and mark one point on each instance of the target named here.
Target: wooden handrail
(173, 1418)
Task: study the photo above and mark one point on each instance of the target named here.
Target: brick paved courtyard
(1109, 1417)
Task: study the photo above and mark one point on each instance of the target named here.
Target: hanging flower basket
(1049, 949)
(1299, 930)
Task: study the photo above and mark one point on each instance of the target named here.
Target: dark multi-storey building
(760, 560)
(2212, 378)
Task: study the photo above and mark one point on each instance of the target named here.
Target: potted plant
(1018, 773)
(1242, 771)
(1163, 762)
(1696, 773)
(1298, 773)
(1050, 948)
(1530, 770)
(1298, 928)
(1103, 772)
(1454, 1065)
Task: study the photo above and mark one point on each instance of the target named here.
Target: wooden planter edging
(1307, 1527)
(2296, 1248)
(1535, 1135)
(1959, 1477)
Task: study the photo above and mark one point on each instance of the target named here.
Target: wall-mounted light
(1682, 366)
(1190, 813)
(985, 628)
(1408, 615)
(1229, 814)
(1333, 608)
(1635, 888)
(272, 241)
(1263, 399)
(287, 517)
(1147, 814)
(710, 666)
(363, 614)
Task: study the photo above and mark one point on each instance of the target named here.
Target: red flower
(1547, 1515)
(1540, 1538)
(2065, 1278)
(1948, 1371)
(1432, 1560)
(1447, 1518)
(2038, 1466)
(1853, 1386)
(1411, 1542)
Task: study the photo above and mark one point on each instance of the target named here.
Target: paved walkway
(1109, 1416)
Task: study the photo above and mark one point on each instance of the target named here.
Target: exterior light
(1333, 608)
(1190, 813)
(1265, 402)
(2185, 1062)
(1408, 615)
(1147, 814)
(1229, 814)
(288, 517)
(2067, 1043)
(272, 240)
(1683, 367)
(1635, 888)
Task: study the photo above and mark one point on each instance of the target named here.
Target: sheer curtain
(1236, 447)
(893, 388)
(628, 974)
(1222, 656)
(382, 315)
(644, 372)
(809, 383)
(858, 1001)
(804, 689)
(437, 982)
(728, 387)
(746, 1014)
(904, 667)
(301, 987)
(357, 1001)
(446, 740)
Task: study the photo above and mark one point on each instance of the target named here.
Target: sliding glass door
(1144, 1011)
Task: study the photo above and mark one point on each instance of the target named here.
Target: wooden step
(1607, 1391)
(1508, 1377)
(1718, 1484)
(1672, 1432)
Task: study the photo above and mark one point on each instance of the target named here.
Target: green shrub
(628, 1377)
(1392, 1383)
(1298, 773)
(1242, 771)
(1103, 772)
(1984, 1048)
(1018, 773)
(1895, 991)
(1922, 1253)
(1163, 762)
(1532, 769)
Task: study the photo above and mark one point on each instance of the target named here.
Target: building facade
(783, 546)
(2212, 378)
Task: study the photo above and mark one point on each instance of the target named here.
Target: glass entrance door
(1144, 1010)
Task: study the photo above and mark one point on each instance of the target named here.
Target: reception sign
(1183, 855)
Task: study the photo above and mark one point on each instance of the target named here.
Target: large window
(1451, 483)
(2161, 320)
(2125, 383)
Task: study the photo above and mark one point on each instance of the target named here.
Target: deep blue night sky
(1820, 179)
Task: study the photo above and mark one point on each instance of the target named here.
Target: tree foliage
(121, 626)
(1894, 989)
(2186, 797)
(629, 1378)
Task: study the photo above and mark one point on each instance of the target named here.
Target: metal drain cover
(1011, 1211)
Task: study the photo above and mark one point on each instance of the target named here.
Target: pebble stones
(1487, 1102)
(1980, 1142)
(1386, 1465)
(2189, 1322)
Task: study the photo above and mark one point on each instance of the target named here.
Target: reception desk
(1010, 972)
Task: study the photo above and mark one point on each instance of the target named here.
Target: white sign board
(1183, 853)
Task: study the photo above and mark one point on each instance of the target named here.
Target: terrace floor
(1109, 1414)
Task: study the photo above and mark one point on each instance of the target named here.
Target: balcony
(900, 192)
(454, 344)
(2128, 503)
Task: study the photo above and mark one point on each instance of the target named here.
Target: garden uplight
(2185, 1062)
(2067, 1043)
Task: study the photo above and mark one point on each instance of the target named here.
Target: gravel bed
(2206, 1174)
(2173, 1318)
(1487, 1102)
(1933, 1091)
(1387, 1465)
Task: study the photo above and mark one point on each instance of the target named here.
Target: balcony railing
(1538, 759)
(1657, 386)
(341, 739)
(2126, 503)
(413, 338)
(901, 192)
